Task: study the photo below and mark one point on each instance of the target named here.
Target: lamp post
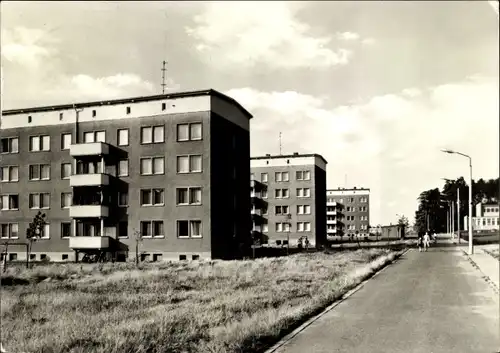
(469, 218)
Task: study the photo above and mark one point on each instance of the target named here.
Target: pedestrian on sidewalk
(419, 242)
(426, 241)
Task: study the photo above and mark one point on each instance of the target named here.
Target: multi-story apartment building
(288, 198)
(168, 170)
(356, 209)
(486, 218)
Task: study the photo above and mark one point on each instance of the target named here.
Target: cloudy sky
(377, 88)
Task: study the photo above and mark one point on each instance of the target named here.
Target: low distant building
(487, 217)
(393, 231)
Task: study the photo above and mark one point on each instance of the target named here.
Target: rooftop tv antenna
(163, 77)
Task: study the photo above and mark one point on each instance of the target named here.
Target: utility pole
(458, 213)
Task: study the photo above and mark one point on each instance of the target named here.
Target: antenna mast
(163, 84)
(280, 143)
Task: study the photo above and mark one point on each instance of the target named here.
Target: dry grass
(235, 306)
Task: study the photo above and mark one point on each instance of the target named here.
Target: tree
(35, 230)
(404, 223)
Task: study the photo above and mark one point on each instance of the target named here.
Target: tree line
(433, 203)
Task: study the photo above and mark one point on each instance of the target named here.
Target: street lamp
(469, 218)
(457, 211)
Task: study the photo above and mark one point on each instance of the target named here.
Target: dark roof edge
(348, 189)
(129, 100)
(291, 156)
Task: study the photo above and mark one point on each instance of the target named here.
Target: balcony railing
(256, 211)
(88, 211)
(89, 149)
(89, 242)
(96, 179)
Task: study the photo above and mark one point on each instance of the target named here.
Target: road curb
(485, 277)
(308, 322)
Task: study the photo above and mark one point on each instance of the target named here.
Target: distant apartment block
(487, 217)
(349, 211)
(170, 170)
(288, 198)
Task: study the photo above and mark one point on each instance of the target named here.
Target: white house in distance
(487, 215)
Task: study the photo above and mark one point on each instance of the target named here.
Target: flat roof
(348, 189)
(295, 155)
(174, 95)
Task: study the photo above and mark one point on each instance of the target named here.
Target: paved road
(433, 302)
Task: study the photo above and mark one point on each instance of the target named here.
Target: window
(39, 172)
(123, 137)
(122, 199)
(182, 257)
(281, 193)
(10, 202)
(282, 227)
(152, 229)
(195, 257)
(122, 229)
(66, 169)
(9, 230)
(45, 232)
(263, 194)
(189, 229)
(152, 165)
(12, 257)
(189, 164)
(351, 199)
(123, 167)
(303, 175)
(94, 136)
(282, 210)
(303, 192)
(61, 116)
(65, 141)
(353, 209)
(65, 230)
(164, 106)
(303, 209)
(152, 134)
(10, 173)
(189, 196)
(65, 199)
(303, 226)
(64, 256)
(152, 197)
(264, 177)
(41, 200)
(281, 176)
(189, 132)
(9, 145)
(94, 113)
(39, 143)
(128, 110)
(30, 118)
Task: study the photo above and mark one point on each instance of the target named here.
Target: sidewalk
(486, 263)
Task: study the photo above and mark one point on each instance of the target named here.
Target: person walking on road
(419, 242)
(426, 241)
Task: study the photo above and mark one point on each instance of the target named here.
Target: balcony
(89, 149)
(256, 211)
(97, 179)
(88, 211)
(331, 213)
(331, 221)
(89, 242)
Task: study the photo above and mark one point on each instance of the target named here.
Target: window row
(148, 197)
(353, 218)
(353, 209)
(149, 135)
(285, 210)
(287, 227)
(148, 229)
(148, 166)
(285, 193)
(284, 176)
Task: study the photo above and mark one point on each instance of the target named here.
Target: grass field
(234, 306)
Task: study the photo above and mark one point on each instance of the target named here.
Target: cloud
(368, 41)
(84, 87)
(348, 36)
(252, 33)
(389, 143)
(27, 46)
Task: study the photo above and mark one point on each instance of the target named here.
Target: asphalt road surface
(429, 302)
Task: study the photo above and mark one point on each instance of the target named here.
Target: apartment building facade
(355, 218)
(486, 217)
(334, 218)
(166, 172)
(288, 197)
